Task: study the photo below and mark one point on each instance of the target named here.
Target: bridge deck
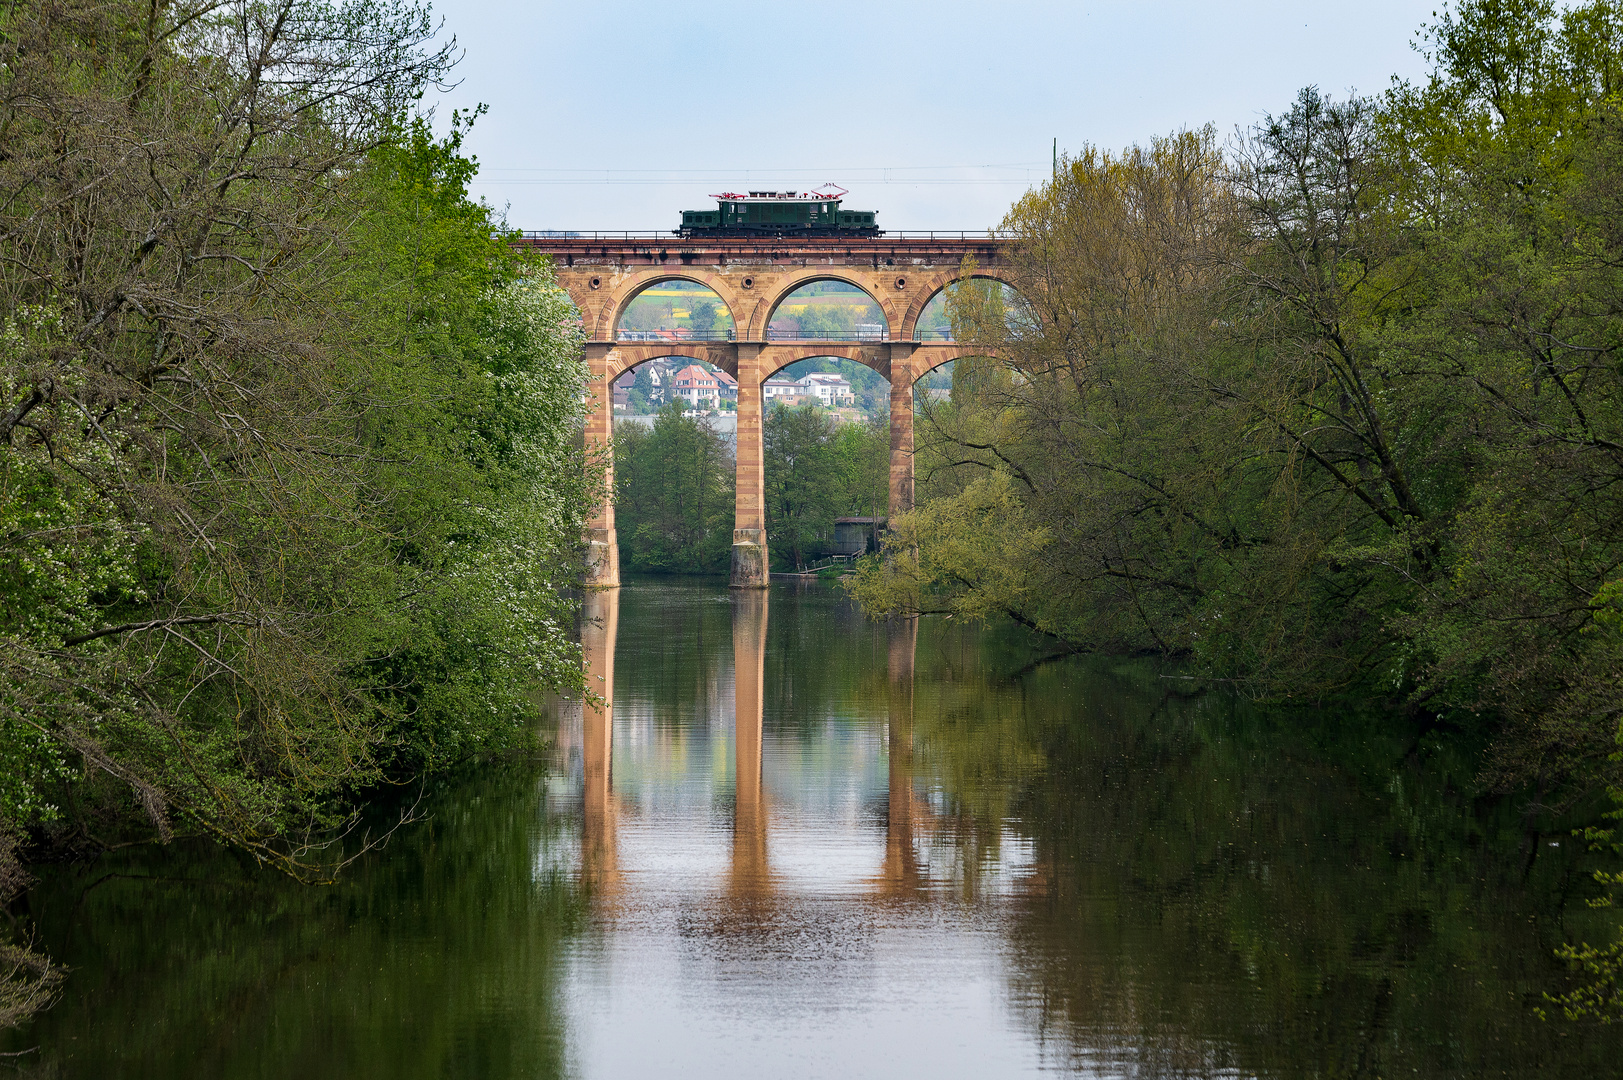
(642, 250)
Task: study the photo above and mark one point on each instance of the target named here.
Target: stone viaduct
(902, 272)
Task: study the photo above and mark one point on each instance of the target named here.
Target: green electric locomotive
(778, 213)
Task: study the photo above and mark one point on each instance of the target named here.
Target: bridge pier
(602, 545)
(750, 569)
(901, 428)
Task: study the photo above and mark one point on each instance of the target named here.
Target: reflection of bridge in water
(751, 886)
(752, 277)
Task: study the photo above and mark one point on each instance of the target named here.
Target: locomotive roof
(776, 196)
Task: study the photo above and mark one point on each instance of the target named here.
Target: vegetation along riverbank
(1333, 410)
(290, 478)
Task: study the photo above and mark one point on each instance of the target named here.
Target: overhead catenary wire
(1021, 172)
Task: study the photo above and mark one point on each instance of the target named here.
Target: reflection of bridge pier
(599, 627)
(751, 871)
(752, 276)
(900, 874)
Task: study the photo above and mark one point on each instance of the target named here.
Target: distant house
(657, 377)
(695, 386)
(782, 388)
(823, 387)
(729, 385)
(830, 388)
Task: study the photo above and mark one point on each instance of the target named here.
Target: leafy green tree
(1336, 413)
(702, 316)
(801, 480)
(288, 477)
(674, 495)
(862, 458)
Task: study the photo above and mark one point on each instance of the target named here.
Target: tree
(288, 484)
(801, 478)
(674, 495)
(702, 317)
(862, 459)
(1336, 413)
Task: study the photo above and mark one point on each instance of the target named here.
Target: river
(791, 842)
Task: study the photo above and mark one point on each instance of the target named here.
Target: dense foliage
(674, 485)
(289, 471)
(1336, 410)
(818, 470)
(673, 501)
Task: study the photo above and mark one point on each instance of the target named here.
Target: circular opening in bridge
(827, 311)
(749, 283)
(596, 283)
(675, 310)
(954, 313)
(901, 283)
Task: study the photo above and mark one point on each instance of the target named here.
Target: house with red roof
(696, 387)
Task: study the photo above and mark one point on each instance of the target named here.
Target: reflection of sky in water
(987, 876)
(826, 963)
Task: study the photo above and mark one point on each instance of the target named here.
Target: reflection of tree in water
(1210, 888)
(681, 642)
(439, 957)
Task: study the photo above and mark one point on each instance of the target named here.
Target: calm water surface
(793, 843)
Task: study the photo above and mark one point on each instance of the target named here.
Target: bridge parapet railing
(675, 335)
(824, 335)
(668, 236)
(654, 337)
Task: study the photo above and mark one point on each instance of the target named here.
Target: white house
(695, 386)
(782, 388)
(824, 387)
(830, 388)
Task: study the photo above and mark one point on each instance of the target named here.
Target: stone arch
(775, 358)
(807, 276)
(926, 359)
(628, 288)
(922, 298)
(623, 358)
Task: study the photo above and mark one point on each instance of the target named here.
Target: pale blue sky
(618, 115)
